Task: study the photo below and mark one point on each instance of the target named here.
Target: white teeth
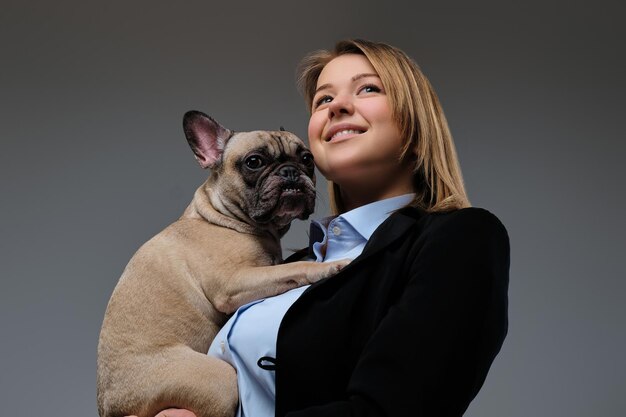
(345, 132)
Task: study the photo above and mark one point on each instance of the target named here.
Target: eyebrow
(355, 78)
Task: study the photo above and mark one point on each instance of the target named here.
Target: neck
(208, 205)
(352, 199)
(360, 193)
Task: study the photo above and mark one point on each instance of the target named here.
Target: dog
(180, 287)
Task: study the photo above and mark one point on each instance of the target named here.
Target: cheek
(315, 127)
(378, 111)
(318, 155)
(380, 117)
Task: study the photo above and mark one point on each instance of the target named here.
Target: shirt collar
(365, 219)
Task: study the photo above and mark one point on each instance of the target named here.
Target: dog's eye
(254, 162)
(307, 159)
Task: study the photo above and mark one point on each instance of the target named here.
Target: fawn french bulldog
(223, 252)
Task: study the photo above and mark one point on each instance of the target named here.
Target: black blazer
(409, 328)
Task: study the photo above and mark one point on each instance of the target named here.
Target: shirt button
(223, 346)
(336, 231)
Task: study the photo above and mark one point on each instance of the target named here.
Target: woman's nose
(341, 104)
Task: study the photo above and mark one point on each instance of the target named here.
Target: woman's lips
(340, 129)
(344, 134)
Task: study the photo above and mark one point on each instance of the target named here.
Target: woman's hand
(174, 412)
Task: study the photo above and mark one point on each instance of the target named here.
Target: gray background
(94, 162)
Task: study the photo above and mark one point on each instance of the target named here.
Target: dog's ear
(206, 137)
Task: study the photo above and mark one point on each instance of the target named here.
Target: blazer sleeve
(430, 354)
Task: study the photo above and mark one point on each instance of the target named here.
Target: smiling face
(352, 133)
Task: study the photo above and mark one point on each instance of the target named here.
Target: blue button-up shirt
(250, 334)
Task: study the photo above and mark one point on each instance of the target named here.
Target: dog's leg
(177, 377)
(252, 283)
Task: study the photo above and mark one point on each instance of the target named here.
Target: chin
(338, 164)
(347, 175)
(294, 207)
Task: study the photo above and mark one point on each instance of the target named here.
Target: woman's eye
(254, 162)
(323, 100)
(370, 88)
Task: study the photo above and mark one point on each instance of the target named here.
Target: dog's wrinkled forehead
(276, 143)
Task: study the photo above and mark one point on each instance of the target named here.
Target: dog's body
(180, 286)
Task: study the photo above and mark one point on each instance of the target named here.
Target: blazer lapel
(391, 229)
(396, 225)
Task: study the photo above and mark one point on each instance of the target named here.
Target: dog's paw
(328, 269)
(340, 264)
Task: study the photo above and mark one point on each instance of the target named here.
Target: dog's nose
(289, 173)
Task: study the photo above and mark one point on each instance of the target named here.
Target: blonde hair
(437, 177)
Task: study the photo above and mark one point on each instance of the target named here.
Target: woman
(413, 324)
